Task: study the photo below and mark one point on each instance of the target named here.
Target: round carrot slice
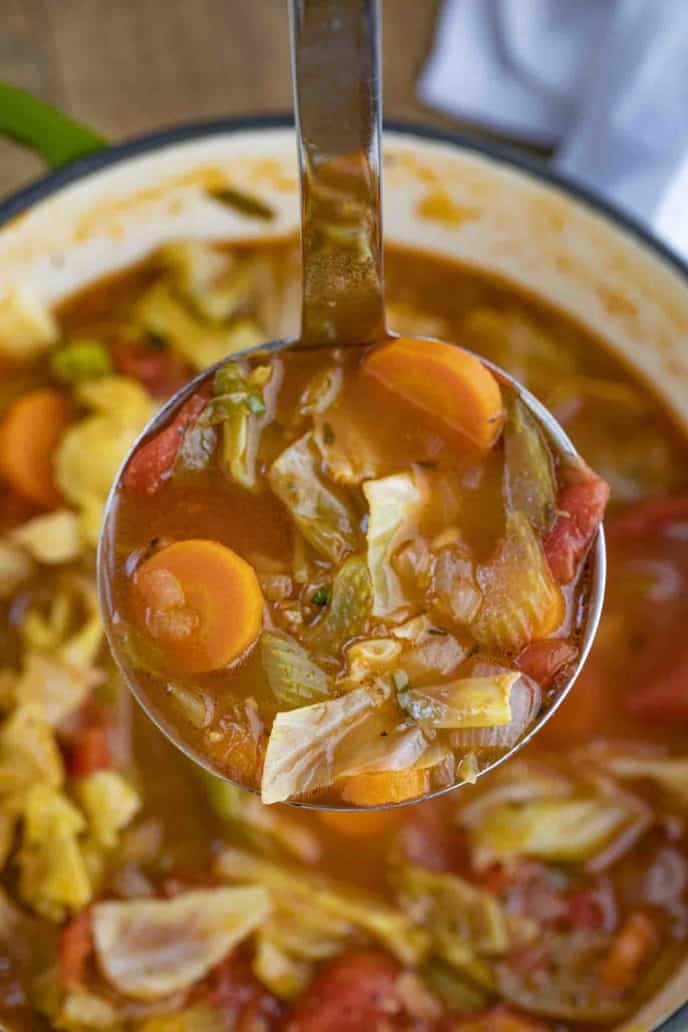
(446, 382)
(200, 602)
(29, 434)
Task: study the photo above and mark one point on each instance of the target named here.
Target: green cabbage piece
(521, 599)
(349, 608)
(670, 773)
(468, 926)
(575, 829)
(53, 877)
(80, 360)
(264, 828)
(294, 679)
(281, 973)
(29, 756)
(319, 902)
(27, 326)
(238, 406)
(58, 687)
(321, 391)
(529, 482)
(91, 452)
(200, 342)
(150, 948)
(467, 702)
(394, 505)
(322, 514)
(52, 538)
(109, 803)
(307, 748)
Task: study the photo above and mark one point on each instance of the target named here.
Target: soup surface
(339, 574)
(141, 894)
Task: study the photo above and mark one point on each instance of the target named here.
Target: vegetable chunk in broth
(139, 893)
(414, 538)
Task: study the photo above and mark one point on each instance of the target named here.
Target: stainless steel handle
(337, 100)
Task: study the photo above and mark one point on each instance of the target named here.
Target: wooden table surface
(129, 66)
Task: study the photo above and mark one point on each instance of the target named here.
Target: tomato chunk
(160, 371)
(90, 752)
(580, 507)
(355, 992)
(152, 464)
(76, 946)
(544, 660)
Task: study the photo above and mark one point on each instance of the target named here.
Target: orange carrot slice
(29, 434)
(446, 382)
(388, 787)
(201, 603)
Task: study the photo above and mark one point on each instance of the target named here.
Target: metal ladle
(335, 47)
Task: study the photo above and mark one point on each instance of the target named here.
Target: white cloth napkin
(605, 82)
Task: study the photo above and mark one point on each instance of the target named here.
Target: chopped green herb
(247, 204)
(322, 596)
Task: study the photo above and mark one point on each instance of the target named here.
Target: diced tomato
(546, 659)
(354, 992)
(89, 751)
(580, 507)
(152, 463)
(500, 1018)
(633, 947)
(76, 946)
(161, 371)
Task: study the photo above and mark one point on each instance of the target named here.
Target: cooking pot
(500, 214)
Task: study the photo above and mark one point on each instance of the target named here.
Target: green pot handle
(32, 122)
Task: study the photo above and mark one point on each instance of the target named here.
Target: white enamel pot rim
(510, 217)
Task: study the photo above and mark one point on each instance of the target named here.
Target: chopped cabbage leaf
(307, 748)
(529, 482)
(92, 451)
(151, 948)
(81, 360)
(467, 924)
(29, 756)
(83, 1010)
(16, 568)
(394, 506)
(59, 688)
(521, 599)
(670, 773)
(349, 608)
(266, 828)
(456, 594)
(283, 975)
(314, 898)
(199, 342)
(324, 517)
(373, 656)
(467, 702)
(109, 803)
(429, 652)
(197, 269)
(239, 405)
(53, 538)
(74, 600)
(27, 327)
(571, 830)
(347, 451)
(293, 677)
(53, 875)
(321, 391)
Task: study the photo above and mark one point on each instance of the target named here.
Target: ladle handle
(337, 100)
